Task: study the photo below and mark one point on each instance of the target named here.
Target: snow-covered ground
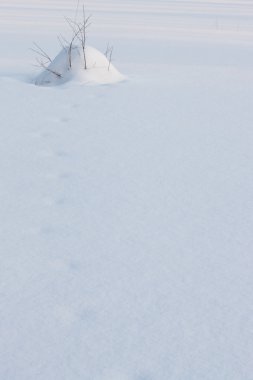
(126, 232)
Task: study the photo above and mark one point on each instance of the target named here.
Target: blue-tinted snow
(126, 211)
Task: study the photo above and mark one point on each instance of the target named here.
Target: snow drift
(69, 65)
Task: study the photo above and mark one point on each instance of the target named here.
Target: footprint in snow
(64, 120)
(60, 201)
(62, 153)
(47, 230)
(65, 175)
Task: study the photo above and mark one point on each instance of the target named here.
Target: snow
(69, 65)
(126, 209)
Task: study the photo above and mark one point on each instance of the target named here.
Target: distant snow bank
(64, 69)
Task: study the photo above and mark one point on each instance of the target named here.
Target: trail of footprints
(54, 168)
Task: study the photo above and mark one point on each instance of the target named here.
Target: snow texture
(126, 209)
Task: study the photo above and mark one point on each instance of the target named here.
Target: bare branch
(79, 32)
(41, 52)
(71, 46)
(108, 54)
(43, 65)
(77, 8)
(107, 50)
(52, 71)
(63, 42)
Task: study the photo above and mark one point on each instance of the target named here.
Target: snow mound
(71, 67)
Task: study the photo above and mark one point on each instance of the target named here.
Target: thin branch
(107, 50)
(53, 71)
(43, 65)
(76, 32)
(41, 52)
(63, 40)
(77, 8)
(79, 30)
(70, 47)
(109, 56)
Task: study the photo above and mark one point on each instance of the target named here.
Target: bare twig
(70, 49)
(79, 32)
(107, 50)
(53, 72)
(108, 54)
(110, 58)
(77, 8)
(63, 42)
(43, 65)
(76, 33)
(41, 52)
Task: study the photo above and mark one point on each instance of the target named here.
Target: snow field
(126, 210)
